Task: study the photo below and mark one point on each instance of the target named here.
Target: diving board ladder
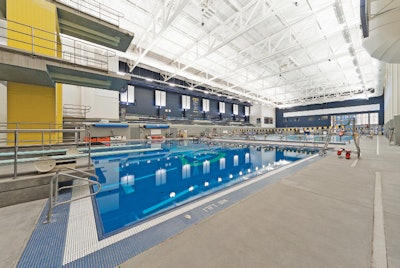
(55, 189)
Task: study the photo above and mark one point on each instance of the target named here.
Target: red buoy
(339, 152)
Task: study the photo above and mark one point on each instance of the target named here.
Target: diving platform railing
(41, 42)
(30, 139)
(55, 189)
(95, 9)
(75, 110)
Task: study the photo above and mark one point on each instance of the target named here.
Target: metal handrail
(76, 110)
(74, 51)
(18, 125)
(328, 139)
(53, 196)
(16, 141)
(95, 9)
(356, 138)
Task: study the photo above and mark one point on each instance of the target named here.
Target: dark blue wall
(304, 121)
(145, 105)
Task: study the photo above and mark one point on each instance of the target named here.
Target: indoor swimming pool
(161, 177)
(153, 191)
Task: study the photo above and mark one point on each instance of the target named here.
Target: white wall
(268, 112)
(261, 111)
(3, 32)
(104, 104)
(255, 112)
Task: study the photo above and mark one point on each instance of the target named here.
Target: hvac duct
(383, 41)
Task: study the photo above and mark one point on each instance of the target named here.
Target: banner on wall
(196, 104)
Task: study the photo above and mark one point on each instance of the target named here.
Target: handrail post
(15, 153)
(33, 40)
(74, 45)
(90, 148)
(43, 143)
(56, 187)
(50, 211)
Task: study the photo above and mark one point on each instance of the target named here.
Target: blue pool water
(137, 186)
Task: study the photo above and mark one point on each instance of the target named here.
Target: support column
(396, 89)
(396, 124)
(392, 101)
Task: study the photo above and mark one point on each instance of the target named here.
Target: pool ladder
(55, 189)
(328, 138)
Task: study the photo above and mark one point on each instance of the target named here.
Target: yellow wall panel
(27, 102)
(32, 107)
(32, 26)
(58, 104)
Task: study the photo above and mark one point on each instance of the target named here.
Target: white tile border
(82, 238)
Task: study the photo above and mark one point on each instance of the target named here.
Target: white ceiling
(277, 52)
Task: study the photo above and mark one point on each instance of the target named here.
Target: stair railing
(55, 189)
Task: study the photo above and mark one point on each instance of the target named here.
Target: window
(362, 119)
(374, 118)
(324, 117)
(268, 120)
(185, 102)
(311, 118)
(160, 98)
(235, 109)
(206, 105)
(246, 111)
(221, 107)
(128, 96)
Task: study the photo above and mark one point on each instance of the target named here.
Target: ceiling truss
(274, 52)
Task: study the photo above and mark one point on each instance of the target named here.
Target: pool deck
(332, 213)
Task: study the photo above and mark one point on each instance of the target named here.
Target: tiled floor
(317, 216)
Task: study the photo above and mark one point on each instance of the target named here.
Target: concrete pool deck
(331, 213)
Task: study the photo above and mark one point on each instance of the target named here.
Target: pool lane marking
(82, 237)
(379, 257)
(170, 200)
